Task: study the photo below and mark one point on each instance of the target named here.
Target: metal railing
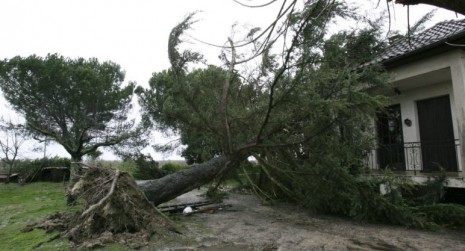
(415, 156)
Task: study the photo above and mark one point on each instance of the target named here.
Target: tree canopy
(82, 104)
(285, 103)
(288, 105)
(299, 101)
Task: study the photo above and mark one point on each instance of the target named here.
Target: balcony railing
(416, 156)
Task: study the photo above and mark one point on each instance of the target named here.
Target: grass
(23, 205)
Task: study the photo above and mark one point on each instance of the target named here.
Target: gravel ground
(249, 225)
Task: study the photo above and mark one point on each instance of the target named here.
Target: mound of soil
(114, 210)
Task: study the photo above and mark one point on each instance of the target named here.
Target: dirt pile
(114, 210)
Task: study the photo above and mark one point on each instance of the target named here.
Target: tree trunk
(75, 170)
(171, 186)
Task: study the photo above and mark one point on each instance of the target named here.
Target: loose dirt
(250, 225)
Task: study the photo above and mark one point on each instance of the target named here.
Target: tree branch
(452, 5)
(224, 100)
(284, 67)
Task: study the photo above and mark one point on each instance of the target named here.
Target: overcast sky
(134, 34)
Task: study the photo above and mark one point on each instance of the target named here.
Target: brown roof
(438, 35)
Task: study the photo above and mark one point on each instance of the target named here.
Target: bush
(29, 168)
(170, 168)
(146, 167)
(329, 188)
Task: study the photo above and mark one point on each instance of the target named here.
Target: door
(390, 139)
(436, 134)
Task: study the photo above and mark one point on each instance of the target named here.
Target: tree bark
(75, 169)
(75, 172)
(171, 186)
(453, 5)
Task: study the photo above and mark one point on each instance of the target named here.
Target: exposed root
(114, 210)
(100, 203)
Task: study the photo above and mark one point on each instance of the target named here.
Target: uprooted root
(114, 210)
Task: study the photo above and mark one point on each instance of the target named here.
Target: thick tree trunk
(75, 170)
(453, 5)
(171, 186)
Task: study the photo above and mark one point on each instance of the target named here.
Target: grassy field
(23, 205)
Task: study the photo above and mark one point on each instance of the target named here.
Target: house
(423, 129)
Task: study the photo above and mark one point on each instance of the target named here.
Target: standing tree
(295, 105)
(10, 144)
(81, 104)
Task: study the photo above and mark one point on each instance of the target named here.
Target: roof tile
(439, 32)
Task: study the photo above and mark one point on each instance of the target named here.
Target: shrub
(29, 168)
(170, 168)
(146, 167)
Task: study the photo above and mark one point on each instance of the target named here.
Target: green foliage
(332, 189)
(81, 104)
(170, 168)
(304, 113)
(190, 108)
(420, 25)
(127, 165)
(216, 195)
(448, 215)
(143, 167)
(318, 87)
(146, 167)
(431, 192)
(27, 168)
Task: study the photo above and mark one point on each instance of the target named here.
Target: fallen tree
(171, 186)
(260, 103)
(304, 114)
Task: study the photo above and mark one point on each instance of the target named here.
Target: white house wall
(434, 76)
(424, 66)
(408, 100)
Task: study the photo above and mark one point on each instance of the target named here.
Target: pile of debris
(114, 210)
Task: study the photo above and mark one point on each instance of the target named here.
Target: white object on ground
(187, 210)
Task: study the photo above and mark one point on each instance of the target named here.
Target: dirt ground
(249, 225)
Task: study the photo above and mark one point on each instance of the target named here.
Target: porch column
(457, 69)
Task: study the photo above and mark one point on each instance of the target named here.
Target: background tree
(81, 104)
(10, 143)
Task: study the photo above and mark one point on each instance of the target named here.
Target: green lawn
(23, 205)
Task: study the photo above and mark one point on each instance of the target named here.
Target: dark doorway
(390, 139)
(436, 134)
